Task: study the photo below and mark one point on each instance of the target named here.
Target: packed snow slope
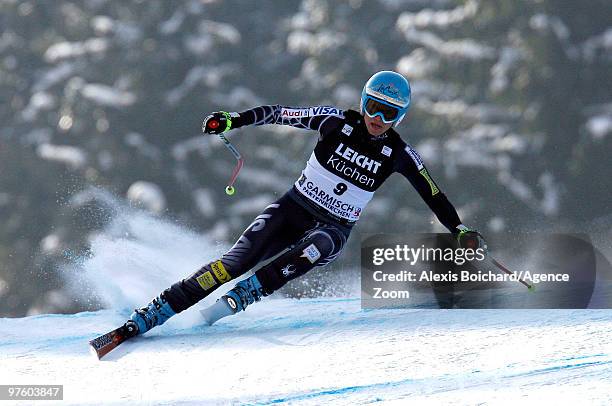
(287, 351)
(322, 351)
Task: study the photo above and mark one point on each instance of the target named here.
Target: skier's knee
(323, 245)
(318, 248)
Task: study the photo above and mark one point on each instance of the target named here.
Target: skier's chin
(376, 129)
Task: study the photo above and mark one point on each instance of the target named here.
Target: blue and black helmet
(386, 94)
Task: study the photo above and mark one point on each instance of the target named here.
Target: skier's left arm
(411, 166)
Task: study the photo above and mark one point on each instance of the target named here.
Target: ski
(104, 344)
(223, 307)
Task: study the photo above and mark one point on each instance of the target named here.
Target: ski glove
(218, 122)
(469, 238)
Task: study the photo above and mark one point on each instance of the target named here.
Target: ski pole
(478, 241)
(229, 189)
(509, 272)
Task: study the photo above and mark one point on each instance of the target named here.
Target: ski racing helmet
(387, 95)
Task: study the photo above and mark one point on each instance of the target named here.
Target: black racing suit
(312, 221)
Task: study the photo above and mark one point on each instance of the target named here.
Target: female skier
(355, 153)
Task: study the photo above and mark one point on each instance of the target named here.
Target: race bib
(329, 191)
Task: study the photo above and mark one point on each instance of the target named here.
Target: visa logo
(310, 111)
(325, 110)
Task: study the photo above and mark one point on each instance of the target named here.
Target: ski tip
(206, 317)
(531, 288)
(221, 308)
(104, 344)
(93, 351)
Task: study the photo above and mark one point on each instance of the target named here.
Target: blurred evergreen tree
(108, 93)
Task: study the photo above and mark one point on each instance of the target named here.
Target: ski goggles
(387, 112)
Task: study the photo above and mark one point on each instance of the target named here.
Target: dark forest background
(512, 112)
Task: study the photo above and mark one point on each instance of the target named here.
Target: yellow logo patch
(206, 280)
(220, 272)
(432, 185)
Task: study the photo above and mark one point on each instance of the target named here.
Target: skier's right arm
(318, 118)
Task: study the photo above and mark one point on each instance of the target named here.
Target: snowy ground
(283, 351)
(325, 351)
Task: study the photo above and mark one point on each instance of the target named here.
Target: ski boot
(246, 292)
(154, 314)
